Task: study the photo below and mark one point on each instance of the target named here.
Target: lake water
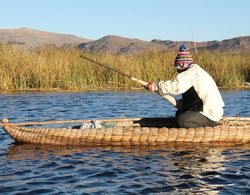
(175, 169)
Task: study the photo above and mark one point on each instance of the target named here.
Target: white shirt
(203, 84)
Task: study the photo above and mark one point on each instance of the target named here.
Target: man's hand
(151, 87)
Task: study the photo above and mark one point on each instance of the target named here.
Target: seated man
(201, 104)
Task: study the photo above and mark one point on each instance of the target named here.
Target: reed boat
(132, 131)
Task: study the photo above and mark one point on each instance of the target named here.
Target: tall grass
(62, 68)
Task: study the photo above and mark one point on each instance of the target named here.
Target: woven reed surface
(129, 135)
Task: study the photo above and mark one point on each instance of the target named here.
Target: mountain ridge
(32, 38)
(119, 45)
(113, 44)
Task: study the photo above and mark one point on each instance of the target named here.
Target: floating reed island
(131, 131)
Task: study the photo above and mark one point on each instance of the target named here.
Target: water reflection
(205, 152)
(182, 169)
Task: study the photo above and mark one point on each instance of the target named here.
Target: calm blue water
(36, 169)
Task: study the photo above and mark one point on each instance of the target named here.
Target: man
(201, 104)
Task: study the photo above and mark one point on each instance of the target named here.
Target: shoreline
(60, 90)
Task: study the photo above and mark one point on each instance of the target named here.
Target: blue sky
(142, 19)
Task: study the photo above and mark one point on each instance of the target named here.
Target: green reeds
(62, 68)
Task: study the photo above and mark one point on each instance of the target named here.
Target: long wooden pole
(169, 98)
(68, 121)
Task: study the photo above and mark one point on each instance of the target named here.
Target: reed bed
(62, 68)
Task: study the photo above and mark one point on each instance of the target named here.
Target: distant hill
(190, 44)
(120, 45)
(30, 38)
(238, 44)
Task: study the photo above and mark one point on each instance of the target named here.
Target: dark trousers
(191, 119)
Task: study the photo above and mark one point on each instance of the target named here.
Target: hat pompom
(183, 48)
(183, 59)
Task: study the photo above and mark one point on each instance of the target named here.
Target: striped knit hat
(183, 59)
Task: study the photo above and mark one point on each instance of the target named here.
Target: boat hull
(131, 133)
